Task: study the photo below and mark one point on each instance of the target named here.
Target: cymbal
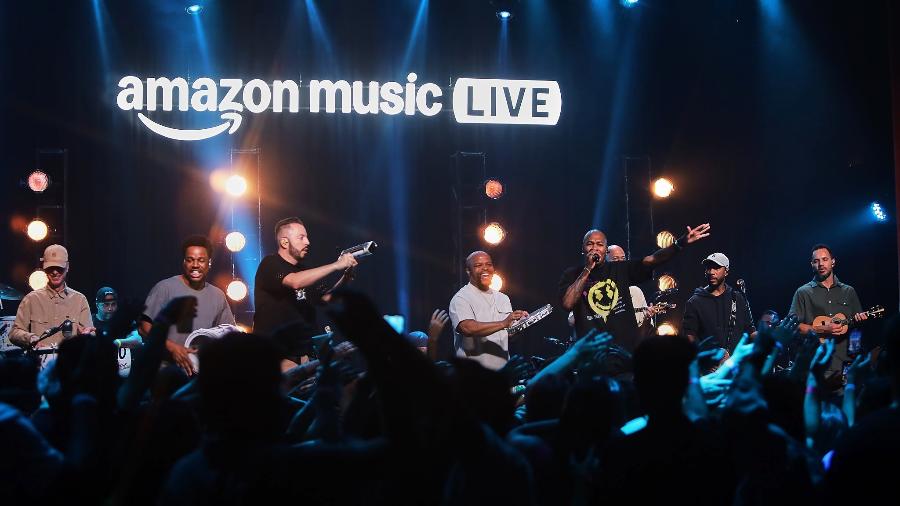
(9, 293)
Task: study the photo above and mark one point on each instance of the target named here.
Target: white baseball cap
(718, 259)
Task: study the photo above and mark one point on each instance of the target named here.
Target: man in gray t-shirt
(212, 308)
(480, 315)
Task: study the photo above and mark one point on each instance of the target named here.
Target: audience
(375, 420)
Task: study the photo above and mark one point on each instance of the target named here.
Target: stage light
(666, 329)
(493, 189)
(38, 181)
(662, 188)
(243, 328)
(665, 239)
(37, 230)
(235, 241)
(629, 3)
(878, 212)
(496, 282)
(503, 15)
(38, 280)
(666, 282)
(236, 290)
(236, 185)
(193, 9)
(494, 233)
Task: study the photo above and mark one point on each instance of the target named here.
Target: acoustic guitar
(843, 322)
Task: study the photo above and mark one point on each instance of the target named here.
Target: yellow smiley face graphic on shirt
(602, 297)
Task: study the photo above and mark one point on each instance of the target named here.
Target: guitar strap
(732, 321)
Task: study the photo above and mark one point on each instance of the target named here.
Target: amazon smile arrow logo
(498, 101)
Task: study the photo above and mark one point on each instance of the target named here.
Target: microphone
(595, 257)
(65, 326)
(361, 250)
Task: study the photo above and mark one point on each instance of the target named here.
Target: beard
(294, 252)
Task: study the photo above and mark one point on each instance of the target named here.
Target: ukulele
(843, 323)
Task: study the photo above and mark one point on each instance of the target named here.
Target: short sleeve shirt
(212, 307)
(813, 299)
(489, 306)
(277, 304)
(605, 302)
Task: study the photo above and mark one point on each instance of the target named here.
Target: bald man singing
(597, 290)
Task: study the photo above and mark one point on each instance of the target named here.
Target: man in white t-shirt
(481, 315)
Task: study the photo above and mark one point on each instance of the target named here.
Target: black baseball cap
(103, 295)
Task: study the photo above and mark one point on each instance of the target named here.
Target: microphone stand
(49, 332)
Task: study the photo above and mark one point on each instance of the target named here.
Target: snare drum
(6, 326)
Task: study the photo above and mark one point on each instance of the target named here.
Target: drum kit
(6, 322)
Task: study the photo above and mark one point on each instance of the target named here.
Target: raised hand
(820, 361)
(697, 233)
(860, 369)
(436, 324)
(786, 329)
(181, 312)
(591, 344)
(517, 370)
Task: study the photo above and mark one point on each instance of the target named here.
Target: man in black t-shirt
(598, 293)
(287, 291)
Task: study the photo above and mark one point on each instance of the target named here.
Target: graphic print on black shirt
(605, 302)
(278, 305)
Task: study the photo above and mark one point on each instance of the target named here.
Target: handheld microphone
(595, 257)
(361, 250)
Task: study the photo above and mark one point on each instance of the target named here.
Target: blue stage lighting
(504, 14)
(629, 3)
(193, 9)
(878, 212)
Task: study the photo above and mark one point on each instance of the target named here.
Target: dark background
(772, 119)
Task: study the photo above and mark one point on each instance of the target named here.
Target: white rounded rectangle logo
(506, 101)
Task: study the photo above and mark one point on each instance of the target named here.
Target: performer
(212, 307)
(287, 290)
(592, 289)
(47, 308)
(643, 313)
(107, 303)
(717, 309)
(826, 295)
(481, 315)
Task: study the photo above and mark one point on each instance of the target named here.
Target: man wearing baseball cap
(46, 309)
(716, 309)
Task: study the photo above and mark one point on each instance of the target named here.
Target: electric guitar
(530, 320)
(661, 307)
(843, 323)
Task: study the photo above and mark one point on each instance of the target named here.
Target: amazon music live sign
(495, 101)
